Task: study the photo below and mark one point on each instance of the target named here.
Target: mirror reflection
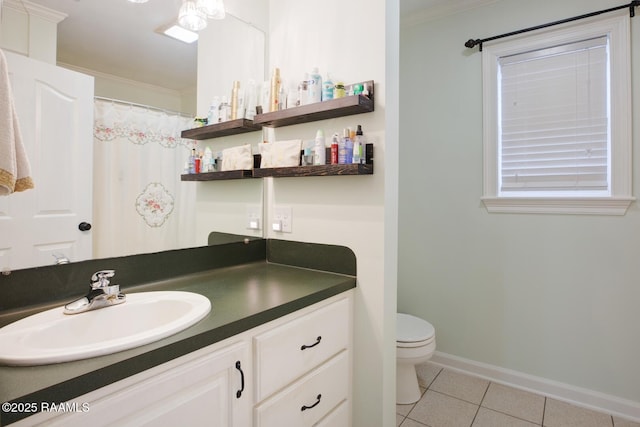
(138, 203)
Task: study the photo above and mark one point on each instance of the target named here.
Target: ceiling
(119, 38)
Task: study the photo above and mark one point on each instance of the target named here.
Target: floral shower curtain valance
(140, 204)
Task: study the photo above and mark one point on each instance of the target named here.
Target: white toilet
(415, 343)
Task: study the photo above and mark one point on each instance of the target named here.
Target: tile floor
(453, 399)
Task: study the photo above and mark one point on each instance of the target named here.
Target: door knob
(84, 226)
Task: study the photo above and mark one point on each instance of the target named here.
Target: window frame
(617, 28)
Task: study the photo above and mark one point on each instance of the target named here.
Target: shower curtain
(139, 203)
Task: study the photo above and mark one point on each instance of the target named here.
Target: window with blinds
(557, 119)
(554, 119)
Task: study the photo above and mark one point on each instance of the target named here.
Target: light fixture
(180, 33)
(138, 1)
(191, 16)
(214, 9)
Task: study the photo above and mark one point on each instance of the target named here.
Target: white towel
(15, 173)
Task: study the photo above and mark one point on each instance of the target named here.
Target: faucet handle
(100, 279)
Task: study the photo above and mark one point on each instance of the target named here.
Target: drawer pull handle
(239, 392)
(304, 407)
(312, 345)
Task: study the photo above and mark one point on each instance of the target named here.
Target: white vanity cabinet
(199, 389)
(292, 371)
(303, 369)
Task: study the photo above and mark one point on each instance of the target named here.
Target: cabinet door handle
(239, 392)
(312, 345)
(304, 407)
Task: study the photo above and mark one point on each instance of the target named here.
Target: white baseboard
(575, 395)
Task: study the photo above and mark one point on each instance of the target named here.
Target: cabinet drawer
(310, 399)
(339, 417)
(289, 351)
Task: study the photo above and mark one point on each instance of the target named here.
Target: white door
(55, 109)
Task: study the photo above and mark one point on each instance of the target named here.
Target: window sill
(550, 205)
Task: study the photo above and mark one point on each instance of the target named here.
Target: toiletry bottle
(303, 90)
(335, 142)
(213, 115)
(339, 91)
(206, 160)
(234, 100)
(198, 163)
(345, 148)
(192, 161)
(292, 95)
(358, 146)
(274, 91)
(241, 109)
(251, 99)
(224, 111)
(282, 98)
(315, 86)
(327, 88)
(320, 153)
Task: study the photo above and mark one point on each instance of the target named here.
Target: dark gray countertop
(242, 297)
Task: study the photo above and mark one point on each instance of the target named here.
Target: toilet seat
(412, 331)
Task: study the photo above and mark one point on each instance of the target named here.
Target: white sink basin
(52, 336)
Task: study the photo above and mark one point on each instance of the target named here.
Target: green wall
(554, 296)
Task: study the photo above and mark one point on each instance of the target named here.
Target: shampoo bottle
(320, 153)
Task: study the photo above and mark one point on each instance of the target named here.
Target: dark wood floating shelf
(346, 106)
(319, 170)
(216, 130)
(294, 171)
(217, 176)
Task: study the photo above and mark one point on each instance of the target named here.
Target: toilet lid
(413, 329)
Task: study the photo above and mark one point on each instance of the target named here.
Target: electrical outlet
(254, 217)
(283, 216)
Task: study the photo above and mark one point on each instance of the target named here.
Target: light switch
(254, 217)
(283, 215)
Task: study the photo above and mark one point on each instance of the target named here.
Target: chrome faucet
(102, 294)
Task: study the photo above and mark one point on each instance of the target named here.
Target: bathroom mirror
(219, 206)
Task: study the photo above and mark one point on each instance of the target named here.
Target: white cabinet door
(55, 109)
(206, 391)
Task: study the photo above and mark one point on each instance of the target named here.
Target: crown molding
(33, 9)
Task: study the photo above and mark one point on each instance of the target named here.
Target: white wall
(348, 40)
(554, 296)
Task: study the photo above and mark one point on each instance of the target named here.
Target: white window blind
(554, 119)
